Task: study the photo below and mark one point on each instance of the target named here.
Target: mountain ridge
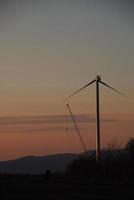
(37, 164)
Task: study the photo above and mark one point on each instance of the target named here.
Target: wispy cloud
(56, 119)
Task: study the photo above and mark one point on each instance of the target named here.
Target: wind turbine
(97, 80)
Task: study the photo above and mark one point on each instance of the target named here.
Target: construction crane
(77, 129)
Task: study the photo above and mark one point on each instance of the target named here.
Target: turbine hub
(98, 78)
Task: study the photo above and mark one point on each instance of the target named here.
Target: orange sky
(48, 135)
(50, 49)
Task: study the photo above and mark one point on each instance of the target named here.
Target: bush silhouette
(116, 165)
(130, 148)
(83, 167)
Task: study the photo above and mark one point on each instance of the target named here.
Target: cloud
(56, 119)
(53, 124)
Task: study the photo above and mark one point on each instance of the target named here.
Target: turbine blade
(80, 89)
(113, 89)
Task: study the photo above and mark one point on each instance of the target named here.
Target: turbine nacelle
(98, 78)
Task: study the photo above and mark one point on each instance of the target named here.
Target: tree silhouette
(130, 150)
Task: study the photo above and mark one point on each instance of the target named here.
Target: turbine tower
(97, 80)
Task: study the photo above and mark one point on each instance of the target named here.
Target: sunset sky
(50, 48)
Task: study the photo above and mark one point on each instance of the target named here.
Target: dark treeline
(116, 165)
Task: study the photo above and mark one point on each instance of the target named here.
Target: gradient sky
(49, 48)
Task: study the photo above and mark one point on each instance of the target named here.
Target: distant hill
(37, 164)
(57, 162)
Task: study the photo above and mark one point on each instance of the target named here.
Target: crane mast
(77, 129)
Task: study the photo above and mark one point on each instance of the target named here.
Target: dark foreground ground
(38, 187)
(82, 179)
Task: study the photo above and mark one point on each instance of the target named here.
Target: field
(37, 187)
